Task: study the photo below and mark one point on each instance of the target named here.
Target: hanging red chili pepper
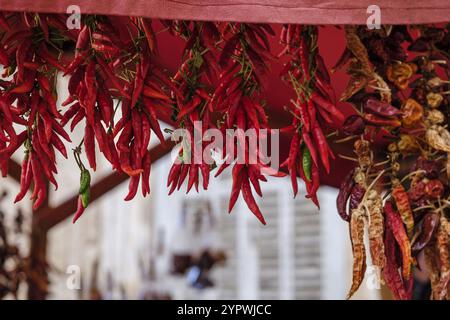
(395, 222)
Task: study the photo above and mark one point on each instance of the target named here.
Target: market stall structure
(397, 85)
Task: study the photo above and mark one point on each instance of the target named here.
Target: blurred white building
(300, 254)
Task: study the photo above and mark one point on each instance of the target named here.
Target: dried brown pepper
(358, 49)
(412, 112)
(400, 73)
(443, 256)
(438, 138)
(374, 207)
(430, 257)
(357, 219)
(403, 206)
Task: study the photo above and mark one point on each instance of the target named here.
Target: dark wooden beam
(14, 170)
(49, 217)
(37, 259)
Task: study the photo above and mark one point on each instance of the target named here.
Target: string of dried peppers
(399, 89)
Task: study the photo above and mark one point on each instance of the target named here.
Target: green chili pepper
(85, 197)
(85, 181)
(306, 163)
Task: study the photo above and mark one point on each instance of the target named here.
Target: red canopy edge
(263, 11)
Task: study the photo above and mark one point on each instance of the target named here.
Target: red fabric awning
(269, 11)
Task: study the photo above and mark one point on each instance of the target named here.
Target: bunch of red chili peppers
(306, 73)
(244, 61)
(192, 82)
(134, 80)
(28, 99)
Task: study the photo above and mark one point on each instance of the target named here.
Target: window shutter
(226, 275)
(307, 250)
(266, 240)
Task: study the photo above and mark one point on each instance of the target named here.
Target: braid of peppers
(244, 60)
(148, 89)
(306, 73)
(28, 47)
(108, 71)
(192, 98)
(409, 109)
(90, 99)
(365, 179)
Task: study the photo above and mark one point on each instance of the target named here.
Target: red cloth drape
(273, 11)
